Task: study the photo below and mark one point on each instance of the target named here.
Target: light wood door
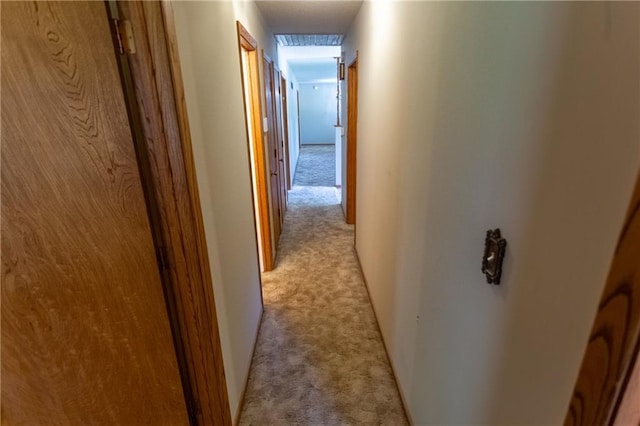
(85, 333)
(277, 214)
(253, 113)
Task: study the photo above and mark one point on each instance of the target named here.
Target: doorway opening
(317, 157)
(249, 68)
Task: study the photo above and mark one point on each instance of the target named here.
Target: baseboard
(246, 379)
(384, 343)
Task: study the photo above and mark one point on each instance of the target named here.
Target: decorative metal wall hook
(494, 250)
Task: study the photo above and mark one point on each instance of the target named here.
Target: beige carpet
(319, 358)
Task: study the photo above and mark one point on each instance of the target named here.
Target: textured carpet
(319, 357)
(316, 166)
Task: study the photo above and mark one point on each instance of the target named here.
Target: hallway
(319, 358)
(470, 117)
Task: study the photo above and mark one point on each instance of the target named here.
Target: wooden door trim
(615, 335)
(248, 43)
(285, 126)
(352, 119)
(160, 105)
(282, 178)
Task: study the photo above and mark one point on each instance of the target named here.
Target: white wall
(292, 106)
(472, 116)
(208, 45)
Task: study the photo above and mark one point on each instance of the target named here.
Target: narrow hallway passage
(319, 358)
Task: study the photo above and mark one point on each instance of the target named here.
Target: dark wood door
(282, 172)
(85, 333)
(352, 140)
(277, 214)
(285, 127)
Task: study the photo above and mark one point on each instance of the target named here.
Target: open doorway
(249, 67)
(317, 156)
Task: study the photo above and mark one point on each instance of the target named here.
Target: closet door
(85, 333)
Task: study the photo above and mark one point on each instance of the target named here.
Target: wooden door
(352, 127)
(285, 127)
(85, 333)
(282, 173)
(277, 215)
(250, 73)
(605, 380)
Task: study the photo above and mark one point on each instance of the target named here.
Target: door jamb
(248, 43)
(159, 103)
(285, 126)
(352, 122)
(615, 335)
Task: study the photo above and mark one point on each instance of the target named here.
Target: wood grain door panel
(85, 333)
(282, 174)
(285, 126)
(272, 151)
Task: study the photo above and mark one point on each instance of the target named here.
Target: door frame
(249, 44)
(285, 126)
(352, 127)
(157, 109)
(280, 145)
(614, 340)
(277, 214)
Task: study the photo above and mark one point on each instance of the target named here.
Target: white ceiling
(309, 16)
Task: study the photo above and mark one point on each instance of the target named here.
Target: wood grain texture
(606, 365)
(285, 127)
(352, 139)
(161, 105)
(250, 45)
(85, 333)
(245, 39)
(277, 215)
(282, 160)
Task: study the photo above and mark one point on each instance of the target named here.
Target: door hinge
(163, 258)
(123, 35)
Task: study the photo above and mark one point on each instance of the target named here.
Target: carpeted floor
(316, 166)
(319, 358)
